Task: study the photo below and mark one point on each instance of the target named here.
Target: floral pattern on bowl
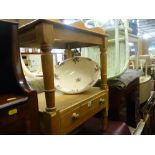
(76, 75)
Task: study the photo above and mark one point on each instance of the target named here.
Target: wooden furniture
(18, 103)
(61, 114)
(124, 102)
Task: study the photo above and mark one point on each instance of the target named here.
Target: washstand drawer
(73, 118)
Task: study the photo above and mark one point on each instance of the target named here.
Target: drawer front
(13, 114)
(75, 117)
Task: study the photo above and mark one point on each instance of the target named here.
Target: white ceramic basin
(76, 75)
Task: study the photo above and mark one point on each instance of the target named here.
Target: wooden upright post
(68, 54)
(103, 64)
(48, 72)
(45, 37)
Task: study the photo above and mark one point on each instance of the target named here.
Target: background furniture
(18, 103)
(124, 99)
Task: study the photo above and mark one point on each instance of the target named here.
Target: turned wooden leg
(103, 61)
(48, 74)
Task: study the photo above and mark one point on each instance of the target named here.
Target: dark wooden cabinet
(18, 103)
(124, 103)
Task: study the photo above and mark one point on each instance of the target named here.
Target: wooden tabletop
(63, 101)
(77, 35)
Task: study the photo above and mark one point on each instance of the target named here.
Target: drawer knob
(102, 100)
(75, 116)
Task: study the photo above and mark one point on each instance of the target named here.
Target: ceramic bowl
(76, 75)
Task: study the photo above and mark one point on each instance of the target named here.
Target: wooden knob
(102, 100)
(75, 116)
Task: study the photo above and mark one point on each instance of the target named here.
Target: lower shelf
(72, 111)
